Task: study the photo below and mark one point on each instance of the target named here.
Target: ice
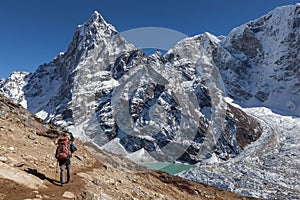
(268, 168)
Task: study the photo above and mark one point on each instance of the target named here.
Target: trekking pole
(56, 171)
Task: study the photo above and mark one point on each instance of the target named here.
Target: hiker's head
(68, 134)
(65, 134)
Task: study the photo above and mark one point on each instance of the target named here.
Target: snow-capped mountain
(105, 90)
(13, 87)
(260, 61)
(173, 106)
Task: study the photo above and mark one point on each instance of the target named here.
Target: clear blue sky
(33, 32)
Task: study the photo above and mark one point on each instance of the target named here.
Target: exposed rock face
(104, 89)
(259, 61)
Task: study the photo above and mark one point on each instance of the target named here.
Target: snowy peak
(96, 24)
(194, 49)
(96, 18)
(12, 87)
(89, 59)
(94, 35)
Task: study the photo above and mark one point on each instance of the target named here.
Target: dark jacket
(72, 146)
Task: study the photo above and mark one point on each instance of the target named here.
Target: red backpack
(63, 151)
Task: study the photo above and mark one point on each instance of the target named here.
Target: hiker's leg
(68, 164)
(62, 170)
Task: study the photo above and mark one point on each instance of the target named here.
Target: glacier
(267, 168)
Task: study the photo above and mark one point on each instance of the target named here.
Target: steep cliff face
(56, 90)
(259, 61)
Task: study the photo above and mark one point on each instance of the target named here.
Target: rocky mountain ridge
(101, 82)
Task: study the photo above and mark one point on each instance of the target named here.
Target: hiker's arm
(72, 147)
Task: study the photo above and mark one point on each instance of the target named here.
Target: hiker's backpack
(63, 148)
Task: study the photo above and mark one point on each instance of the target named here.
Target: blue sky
(33, 32)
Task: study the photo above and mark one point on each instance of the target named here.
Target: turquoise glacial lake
(170, 168)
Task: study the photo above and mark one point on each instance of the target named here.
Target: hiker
(64, 150)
